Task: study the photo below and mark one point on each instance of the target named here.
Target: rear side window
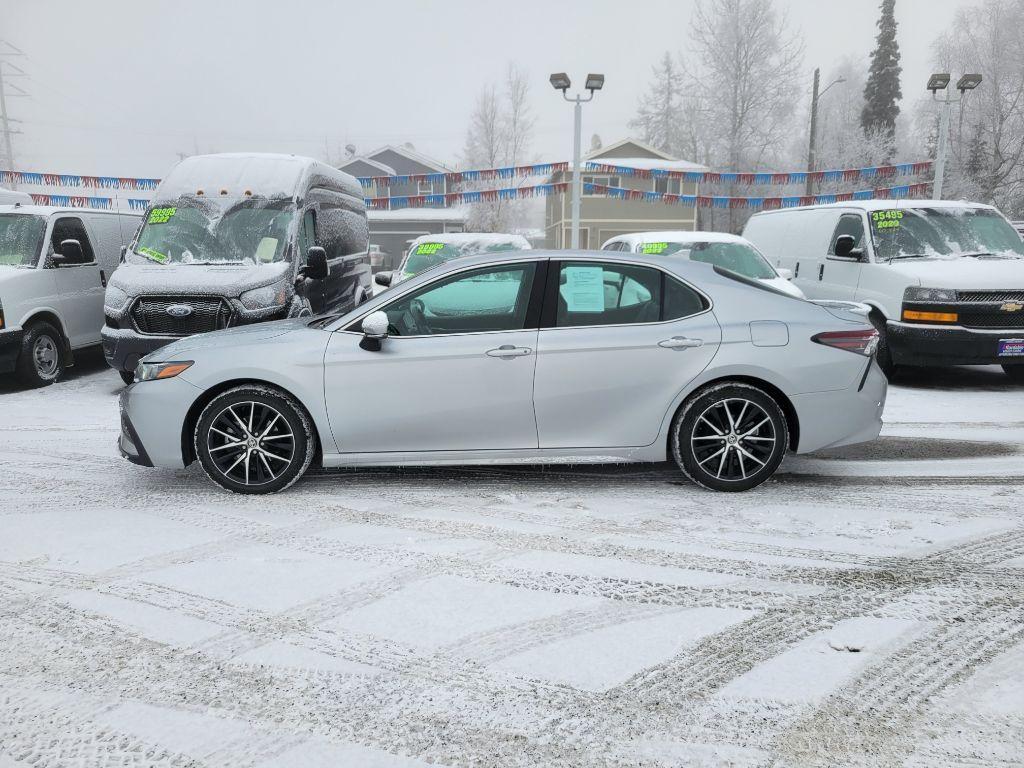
(681, 300)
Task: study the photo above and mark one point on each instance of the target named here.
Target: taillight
(863, 342)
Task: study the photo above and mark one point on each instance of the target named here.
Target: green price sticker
(654, 248)
(886, 219)
(154, 255)
(428, 249)
(161, 215)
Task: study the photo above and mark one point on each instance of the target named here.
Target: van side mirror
(844, 248)
(70, 253)
(384, 278)
(375, 330)
(316, 264)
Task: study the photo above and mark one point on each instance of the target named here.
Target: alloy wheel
(733, 439)
(251, 443)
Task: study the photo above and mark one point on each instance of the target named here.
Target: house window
(425, 188)
(608, 181)
(666, 186)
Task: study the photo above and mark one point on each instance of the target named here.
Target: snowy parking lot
(866, 607)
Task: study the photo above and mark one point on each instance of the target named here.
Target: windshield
(21, 239)
(208, 231)
(741, 258)
(943, 233)
(429, 254)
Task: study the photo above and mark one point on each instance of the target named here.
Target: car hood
(231, 337)
(963, 272)
(196, 279)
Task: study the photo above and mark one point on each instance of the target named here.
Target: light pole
(560, 82)
(812, 148)
(940, 82)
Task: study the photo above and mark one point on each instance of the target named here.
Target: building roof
(385, 170)
(412, 155)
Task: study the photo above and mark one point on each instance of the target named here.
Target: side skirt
(649, 453)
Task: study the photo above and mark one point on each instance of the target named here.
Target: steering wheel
(417, 310)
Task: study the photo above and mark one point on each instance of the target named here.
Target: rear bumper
(10, 348)
(152, 416)
(844, 416)
(948, 345)
(124, 348)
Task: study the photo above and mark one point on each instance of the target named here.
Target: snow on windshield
(943, 233)
(736, 257)
(195, 230)
(429, 253)
(21, 238)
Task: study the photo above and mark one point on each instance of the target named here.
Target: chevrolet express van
(54, 266)
(234, 239)
(944, 280)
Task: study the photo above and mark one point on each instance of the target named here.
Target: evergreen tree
(660, 115)
(882, 90)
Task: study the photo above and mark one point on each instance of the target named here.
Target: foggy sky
(121, 87)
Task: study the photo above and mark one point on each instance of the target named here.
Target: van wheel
(730, 437)
(254, 439)
(1015, 372)
(41, 360)
(883, 355)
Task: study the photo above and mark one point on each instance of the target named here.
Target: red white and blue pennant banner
(74, 180)
(457, 177)
(80, 201)
(689, 201)
(869, 173)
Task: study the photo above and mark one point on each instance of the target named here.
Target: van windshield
(943, 233)
(21, 239)
(196, 230)
(740, 258)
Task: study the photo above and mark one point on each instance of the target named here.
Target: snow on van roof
(8, 196)
(675, 236)
(884, 205)
(483, 238)
(264, 174)
(48, 210)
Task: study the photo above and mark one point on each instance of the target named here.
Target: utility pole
(6, 68)
(812, 143)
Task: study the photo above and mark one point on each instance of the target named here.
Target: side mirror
(844, 248)
(384, 278)
(375, 330)
(785, 274)
(316, 264)
(70, 253)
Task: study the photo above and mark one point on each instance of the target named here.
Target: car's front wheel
(730, 437)
(254, 439)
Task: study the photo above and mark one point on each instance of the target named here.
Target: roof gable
(406, 161)
(628, 148)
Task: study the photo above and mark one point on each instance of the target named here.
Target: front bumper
(123, 348)
(923, 345)
(10, 348)
(152, 416)
(843, 416)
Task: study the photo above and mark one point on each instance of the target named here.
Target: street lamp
(812, 148)
(940, 82)
(560, 82)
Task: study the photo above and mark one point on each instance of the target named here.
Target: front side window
(483, 300)
(21, 239)
(307, 233)
(197, 230)
(849, 224)
(71, 228)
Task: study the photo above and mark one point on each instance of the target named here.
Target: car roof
(49, 210)
(883, 205)
(676, 236)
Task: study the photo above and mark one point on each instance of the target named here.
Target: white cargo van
(54, 266)
(233, 239)
(944, 280)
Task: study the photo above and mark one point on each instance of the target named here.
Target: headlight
(150, 371)
(268, 296)
(930, 295)
(114, 298)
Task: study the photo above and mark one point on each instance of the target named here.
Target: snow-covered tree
(882, 90)
(660, 115)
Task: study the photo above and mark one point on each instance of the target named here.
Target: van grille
(149, 315)
(973, 296)
(990, 317)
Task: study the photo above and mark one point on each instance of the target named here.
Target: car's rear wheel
(730, 437)
(1015, 372)
(41, 360)
(254, 439)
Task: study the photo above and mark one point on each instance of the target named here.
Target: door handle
(103, 278)
(681, 342)
(507, 350)
(821, 271)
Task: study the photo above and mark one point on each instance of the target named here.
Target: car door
(80, 286)
(455, 373)
(617, 343)
(838, 276)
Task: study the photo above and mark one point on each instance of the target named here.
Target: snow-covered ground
(864, 608)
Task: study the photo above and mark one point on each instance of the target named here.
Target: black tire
(259, 458)
(128, 377)
(1015, 372)
(744, 457)
(41, 360)
(883, 356)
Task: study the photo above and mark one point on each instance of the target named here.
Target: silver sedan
(558, 357)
